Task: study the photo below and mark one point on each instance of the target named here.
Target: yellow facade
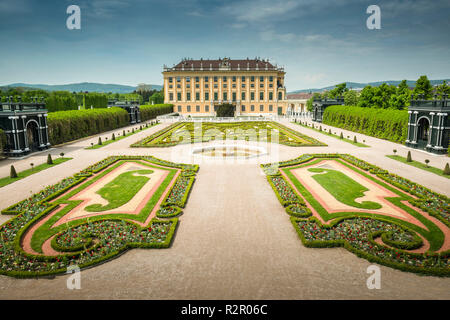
(196, 87)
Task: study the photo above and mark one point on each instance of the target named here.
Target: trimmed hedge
(64, 126)
(152, 111)
(386, 124)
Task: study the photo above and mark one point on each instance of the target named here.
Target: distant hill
(357, 85)
(83, 86)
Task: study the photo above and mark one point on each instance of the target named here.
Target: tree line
(384, 96)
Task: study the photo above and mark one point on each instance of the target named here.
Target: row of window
(224, 96)
(197, 86)
(243, 108)
(224, 78)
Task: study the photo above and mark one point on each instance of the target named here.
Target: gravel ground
(234, 240)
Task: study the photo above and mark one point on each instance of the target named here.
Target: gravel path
(234, 240)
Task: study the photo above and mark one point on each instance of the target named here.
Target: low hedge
(152, 111)
(64, 126)
(386, 124)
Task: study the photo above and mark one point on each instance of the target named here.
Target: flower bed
(357, 234)
(84, 242)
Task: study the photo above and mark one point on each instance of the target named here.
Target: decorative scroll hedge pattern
(357, 232)
(85, 242)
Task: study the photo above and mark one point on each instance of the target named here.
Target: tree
(157, 97)
(424, 87)
(366, 97)
(402, 96)
(395, 151)
(351, 98)
(61, 154)
(32, 166)
(408, 157)
(13, 173)
(442, 89)
(427, 162)
(225, 110)
(338, 90)
(49, 159)
(447, 169)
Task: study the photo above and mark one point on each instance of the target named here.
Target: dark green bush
(386, 124)
(152, 111)
(64, 126)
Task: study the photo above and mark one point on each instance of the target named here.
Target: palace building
(197, 87)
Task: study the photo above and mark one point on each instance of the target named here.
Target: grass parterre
(46, 236)
(195, 132)
(409, 232)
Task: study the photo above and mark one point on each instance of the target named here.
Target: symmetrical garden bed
(118, 203)
(194, 132)
(339, 200)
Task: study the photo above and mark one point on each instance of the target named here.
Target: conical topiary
(13, 173)
(447, 169)
(49, 159)
(408, 157)
(354, 139)
(124, 134)
(320, 128)
(100, 141)
(341, 136)
(113, 137)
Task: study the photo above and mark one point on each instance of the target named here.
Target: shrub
(64, 126)
(152, 111)
(427, 162)
(13, 173)
(354, 139)
(408, 157)
(225, 110)
(100, 141)
(49, 159)
(124, 133)
(341, 136)
(395, 151)
(113, 137)
(447, 169)
(386, 124)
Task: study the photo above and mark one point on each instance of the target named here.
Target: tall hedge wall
(152, 111)
(64, 126)
(386, 124)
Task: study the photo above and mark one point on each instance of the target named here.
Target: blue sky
(319, 43)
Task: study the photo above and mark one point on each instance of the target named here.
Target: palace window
(206, 79)
(206, 85)
(261, 79)
(179, 108)
(243, 85)
(234, 96)
(225, 97)
(252, 108)
(216, 96)
(206, 96)
(243, 108)
(197, 108)
(252, 96)
(270, 107)
(206, 108)
(188, 79)
(188, 96)
(261, 108)
(234, 78)
(178, 96)
(224, 85)
(252, 78)
(261, 95)
(252, 85)
(197, 79)
(188, 85)
(178, 79)
(243, 96)
(280, 95)
(270, 85)
(170, 79)
(188, 108)
(215, 79)
(170, 96)
(197, 85)
(224, 78)
(197, 96)
(270, 96)
(243, 78)
(170, 86)
(261, 85)
(270, 78)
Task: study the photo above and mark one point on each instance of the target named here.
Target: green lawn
(25, 173)
(343, 188)
(110, 140)
(121, 190)
(420, 165)
(358, 144)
